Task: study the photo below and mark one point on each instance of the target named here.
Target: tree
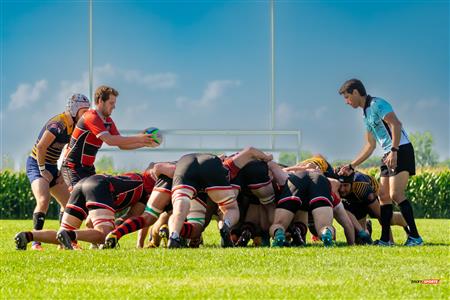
(423, 149)
(290, 158)
(105, 164)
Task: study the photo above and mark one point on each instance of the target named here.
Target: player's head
(353, 92)
(346, 182)
(77, 104)
(105, 99)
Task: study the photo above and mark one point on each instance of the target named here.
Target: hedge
(429, 192)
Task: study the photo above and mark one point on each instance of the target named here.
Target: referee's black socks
(408, 215)
(386, 212)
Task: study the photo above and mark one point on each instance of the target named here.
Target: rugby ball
(155, 133)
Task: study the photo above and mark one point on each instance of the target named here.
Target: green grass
(211, 272)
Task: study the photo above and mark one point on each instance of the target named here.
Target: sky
(206, 65)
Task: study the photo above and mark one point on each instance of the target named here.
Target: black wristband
(394, 149)
(351, 167)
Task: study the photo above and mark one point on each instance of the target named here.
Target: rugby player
(100, 197)
(303, 191)
(206, 172)
(360, 197)
(41, 167)
(94, 128)
(398, 162)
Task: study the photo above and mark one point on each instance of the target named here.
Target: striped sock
(130, 225)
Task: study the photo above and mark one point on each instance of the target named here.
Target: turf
(210, 272)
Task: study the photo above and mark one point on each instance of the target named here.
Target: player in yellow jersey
(42, 169)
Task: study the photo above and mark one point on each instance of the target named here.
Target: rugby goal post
(232, 141)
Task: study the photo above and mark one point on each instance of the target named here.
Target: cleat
(174, 243)
(111, 241)
(412, 241)
(297, 239)
(279, 238)
(382, 243)
(365, 237)
(21, 241)
(314, 238)
(36, 246)
(245, 237)
(64, 239)
(225, 233)
(327, 237)
(164, 235)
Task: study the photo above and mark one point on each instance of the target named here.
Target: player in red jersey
(99, 197)
(42, 169)
(94, 128)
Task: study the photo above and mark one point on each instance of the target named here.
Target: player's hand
(391, 160)
(47, 175)
(346, 170)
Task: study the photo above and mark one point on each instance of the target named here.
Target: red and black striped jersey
(130, 188)
(61, 128)
(85, 140)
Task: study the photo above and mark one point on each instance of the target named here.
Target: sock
(175, 236)
(407, 212)
(130, 225)
(38, 220)
(29, 236)
(227, 222)
(186, 230)
(406, 229)
(386, 216)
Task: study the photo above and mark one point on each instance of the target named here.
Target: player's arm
(164, 168)
(367, 150)
(41, 151)
(279, 175)
(396, 129)
(250, 154)
(128, 142)
(342, 218)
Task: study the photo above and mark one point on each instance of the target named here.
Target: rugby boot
(64, 239)
(21, 239)
(327, 237)
(297, 239)
(279, 238)
(382, 243)
(164, 235)
(412, 241)
(174, 243)
(245, 237)
(111, 241)
(364, 237)
(225, 234)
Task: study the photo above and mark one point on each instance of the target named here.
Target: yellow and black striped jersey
(61, 128)
(322, 164)
(363, 185)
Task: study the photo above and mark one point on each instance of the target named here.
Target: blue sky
(205, 65)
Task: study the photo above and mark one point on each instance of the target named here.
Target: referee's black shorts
(405, 162)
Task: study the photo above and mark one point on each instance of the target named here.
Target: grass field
(211, 272)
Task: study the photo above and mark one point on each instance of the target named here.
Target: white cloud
(26, 94)
(214, 90)
(151, 81)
